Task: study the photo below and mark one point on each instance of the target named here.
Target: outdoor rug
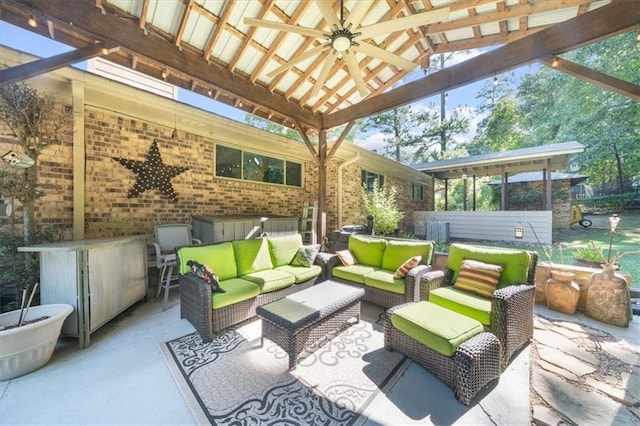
(233, 380)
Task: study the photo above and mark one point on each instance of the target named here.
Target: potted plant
(590, 256)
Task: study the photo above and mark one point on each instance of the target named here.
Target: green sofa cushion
(270, 279)
(219, 257)
(367, 250)
(284, 249)
(435, 327)
(355, 273)
(252, 256)
(236, 290)
(383, 280)
(398, 252)
(515, 262)
(301, 273)
(463, 302)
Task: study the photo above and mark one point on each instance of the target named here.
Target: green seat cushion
(515, 262)
(384, 280)
(355, 273)
(219, 257)
(463, 302)
(236, 290)
(398, 252)
(367, 250)
(270, 279)
(252, 256)
(301, 273)
(435, 327)
(284, 249)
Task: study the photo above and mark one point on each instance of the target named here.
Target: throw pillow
(478, 277)
(205, 273)
(306, 255)
(346, 257)
(402, 270)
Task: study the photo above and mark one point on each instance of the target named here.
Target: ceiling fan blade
(297, 29)
(324, 73)
(357, 14)
(352, 64)
(295, 61)
(392, 58)
(400, 24)
(328, 13)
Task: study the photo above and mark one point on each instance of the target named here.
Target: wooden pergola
(206, 47)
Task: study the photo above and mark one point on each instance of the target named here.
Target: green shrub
(382, 205)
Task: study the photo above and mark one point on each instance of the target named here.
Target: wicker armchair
(511, 317)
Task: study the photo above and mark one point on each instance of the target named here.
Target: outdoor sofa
(507, 311)
(251, 273)
(375, 262)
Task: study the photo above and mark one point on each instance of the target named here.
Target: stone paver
(583, 373)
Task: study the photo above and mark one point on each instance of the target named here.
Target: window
(238, 164)
(416, 190)
(368, 178)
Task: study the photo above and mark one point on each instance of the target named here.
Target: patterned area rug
(235, 380)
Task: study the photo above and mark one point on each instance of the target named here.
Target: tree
(36, 120)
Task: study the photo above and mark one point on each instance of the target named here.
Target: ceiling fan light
(341, 43)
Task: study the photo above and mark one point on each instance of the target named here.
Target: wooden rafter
(221, 26)
(249, 36)
(183, 22)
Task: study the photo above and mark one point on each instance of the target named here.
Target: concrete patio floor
(122, 378)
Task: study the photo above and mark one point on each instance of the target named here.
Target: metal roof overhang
(550, 157)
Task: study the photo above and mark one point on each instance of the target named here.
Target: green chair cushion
(384, 280)
(463, 302)
(355, 273)
(397, 252)
(301, 273)
(515, 262)
(236, 290)
(435, 327)
(219, 257)
(367, 250)
(270, 279)
(252, 256)
(284, 249)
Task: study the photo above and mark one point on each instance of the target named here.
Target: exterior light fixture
(555, 62)
(210, 92)
(519, 232)
(32, 21)
(495, 81)
(164, 74)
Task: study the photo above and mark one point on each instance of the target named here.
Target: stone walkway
(584, 372)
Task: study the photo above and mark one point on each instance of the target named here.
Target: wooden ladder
(308, 223)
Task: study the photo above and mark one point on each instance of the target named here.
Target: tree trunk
(619, 168)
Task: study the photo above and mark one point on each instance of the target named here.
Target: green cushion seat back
(284, 249)
(463, 302)
(515, 262)
(236, 290)
(398, 252)
(355, 273)
(435, 327)
(367, 250)
(383, 280)
(219, 257)
(252, 256)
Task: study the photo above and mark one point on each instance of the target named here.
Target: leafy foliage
(382, 205)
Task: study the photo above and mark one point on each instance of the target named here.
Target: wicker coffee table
(302, 318)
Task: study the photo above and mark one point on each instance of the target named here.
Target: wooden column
(474, 193)
(446, 194)
(503, 191)
(322, 188)
(547, 184)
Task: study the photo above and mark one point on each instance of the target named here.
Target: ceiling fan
(347, 37)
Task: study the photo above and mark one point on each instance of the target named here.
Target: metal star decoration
(152, 174)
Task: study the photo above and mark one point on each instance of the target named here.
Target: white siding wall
(492, 226)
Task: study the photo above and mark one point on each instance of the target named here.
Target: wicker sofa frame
(474, 365)
(511, 308)
(196, 303)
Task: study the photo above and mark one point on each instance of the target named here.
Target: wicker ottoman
(463, 356)
(302, 318)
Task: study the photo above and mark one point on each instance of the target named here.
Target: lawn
(566, 241)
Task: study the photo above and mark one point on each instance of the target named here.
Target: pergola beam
(42, 66)
(597, 78)
(607, 21)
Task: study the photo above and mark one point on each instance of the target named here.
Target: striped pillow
(402, 270)
(478, 277)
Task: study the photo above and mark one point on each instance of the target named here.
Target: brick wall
(560, 199)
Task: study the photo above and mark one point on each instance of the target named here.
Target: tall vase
(561, 292)
(608, 298)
